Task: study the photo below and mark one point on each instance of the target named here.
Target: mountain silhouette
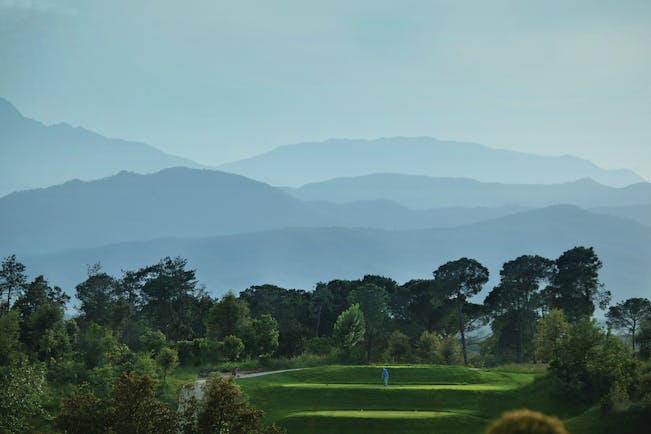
(299, 164)
(34, 155)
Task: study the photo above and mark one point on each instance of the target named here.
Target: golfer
(385, 376)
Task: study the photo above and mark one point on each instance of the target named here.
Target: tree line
(149, 320)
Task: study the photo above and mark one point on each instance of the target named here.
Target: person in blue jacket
(385, 376)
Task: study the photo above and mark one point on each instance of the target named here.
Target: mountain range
(397, 206)
(35, 155)
(299, 164)
(183, 202)
(300, 257)
(422, 192)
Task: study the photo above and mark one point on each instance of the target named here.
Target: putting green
(375, 414)
(401, 387)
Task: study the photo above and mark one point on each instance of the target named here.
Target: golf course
(418, 399)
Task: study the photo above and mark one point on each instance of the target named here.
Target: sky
(217, 81)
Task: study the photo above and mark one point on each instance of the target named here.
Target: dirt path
(196, 389)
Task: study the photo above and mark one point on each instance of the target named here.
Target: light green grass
(404, 387)
(420, 399)
(376, 414)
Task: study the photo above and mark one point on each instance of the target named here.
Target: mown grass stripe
(477, 387)
(375, 414)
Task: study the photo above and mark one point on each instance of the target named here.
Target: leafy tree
(232, 347)
(575, 285)
(451, 351)
(552, 330)
(628, 314)
(463, 279)
(349, 328)
(12, 279)
(266, 331)
(9, 338)
(589, 362)
(227, 317)
(516, 299)
(167, 359)
(321, 299)
(222, 409)
(373, 302)
(96, 296)
(167, 296)
(428, 348)
(96, 344)
(22, 388)
(40, 309)
(644, 339)
(289, 307)
(83, 413)
(135, 408)
(153, 341)
(398, 347)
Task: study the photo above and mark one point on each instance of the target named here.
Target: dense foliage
(146, 322)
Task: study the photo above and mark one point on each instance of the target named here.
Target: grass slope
(419, 399)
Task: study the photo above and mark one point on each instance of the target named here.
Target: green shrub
(451, 351)
(320, 346)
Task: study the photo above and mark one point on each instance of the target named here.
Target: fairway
(419, 399)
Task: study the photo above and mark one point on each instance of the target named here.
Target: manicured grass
(419, 399)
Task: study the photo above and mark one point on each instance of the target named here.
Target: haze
(217, 81)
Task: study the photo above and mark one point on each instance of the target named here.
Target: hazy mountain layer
(301, 257)
(35, 155)
(640, 213)
(178, 202)
(422, 192)
(295, 165)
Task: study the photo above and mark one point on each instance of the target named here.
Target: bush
(398, 347)
(83, 413)
(614, 399)
(232, 347)
(320, 346)
(428, 348)
(526, 421)
(451, 351)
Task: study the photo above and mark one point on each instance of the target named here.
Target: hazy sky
(220, 80)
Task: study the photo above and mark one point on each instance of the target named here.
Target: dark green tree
(373, 302)
(321, 299)
(232, 348)
(83, 413)
(96, 296)
(463, 278)
(266, 335)
(628, 314)
(135, 408)
(227, 317)
(222, 409)
(575, 285)
(514, 303)
(168, 297)
(41, 308)
(291, 308)
(12, 280)
(167, 359)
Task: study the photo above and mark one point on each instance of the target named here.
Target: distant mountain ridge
(300, 257)
(34, 155)
(299, 164)
(184, 202)
(422, 192)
